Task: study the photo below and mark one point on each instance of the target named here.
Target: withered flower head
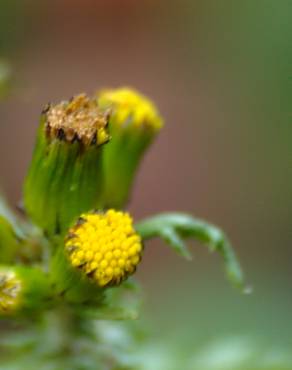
(79, 119)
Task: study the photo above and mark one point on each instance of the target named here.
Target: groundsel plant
(71, 262)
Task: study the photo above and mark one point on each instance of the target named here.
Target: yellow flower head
(10, 291)
(130, 107)
(104, 246)
(79, 119)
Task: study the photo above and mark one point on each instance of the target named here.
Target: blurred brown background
(218, 72)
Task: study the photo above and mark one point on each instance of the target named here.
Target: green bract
(65, 177)
(134, 123)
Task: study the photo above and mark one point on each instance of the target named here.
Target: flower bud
(102, 249)
(22, 290)
(134, 123)
(65, 176)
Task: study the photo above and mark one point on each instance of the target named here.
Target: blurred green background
(220, 73)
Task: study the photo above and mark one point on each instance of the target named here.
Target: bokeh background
(220, 73)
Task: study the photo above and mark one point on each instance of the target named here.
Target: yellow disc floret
(130, 107)
(10, 291)
(104, 246)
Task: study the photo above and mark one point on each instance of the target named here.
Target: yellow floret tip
(104, 246)
(131, 107)
(10, 291)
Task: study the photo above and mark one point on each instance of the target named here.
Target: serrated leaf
(171, 237)
(173, 228)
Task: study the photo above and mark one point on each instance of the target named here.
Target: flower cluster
(78, 241)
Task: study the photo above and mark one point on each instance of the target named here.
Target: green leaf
(173, 228)
(18, 238)
(9, 243)
(171, 237)
(112, 313)
(121, 303)
(7, 213)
